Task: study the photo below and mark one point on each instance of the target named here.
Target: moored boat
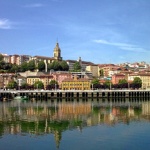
(21, 98)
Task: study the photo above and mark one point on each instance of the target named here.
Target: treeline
(123, 84)
(31, 66)
(53, 84)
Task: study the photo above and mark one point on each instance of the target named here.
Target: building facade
(83, 64)
(116, 77)
(145, 78)
(45, 79)
(75, 84)
(94, 69)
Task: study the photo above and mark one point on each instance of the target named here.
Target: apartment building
(59, 77)
(5, 78)
(75, 84)
(83, 64)
(116, 77)
(94, 69)
(107, 68)
(45, 79)
(145, 77)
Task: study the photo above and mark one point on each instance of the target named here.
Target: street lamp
(19, 83)
(55, 86)
(110, 85)
(128, 85)
(92, 86)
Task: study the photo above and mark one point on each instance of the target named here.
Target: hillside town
(42, 72)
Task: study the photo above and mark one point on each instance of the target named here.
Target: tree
(31, 65)
(24, 67)
(1, 57)
(52, 85)
(55, 65)
(77, 67)
(53, 82)
(95, 81)
(122, 81)
(15, 68)
(108, 84)
(12, 84)
(38, 85)
(64, 65)
(24, 85)
(137, 82)
(41, 66)
(101, 72)
(7, 67)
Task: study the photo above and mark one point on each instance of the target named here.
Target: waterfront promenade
(75, 94)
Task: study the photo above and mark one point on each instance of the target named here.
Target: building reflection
(40, 118)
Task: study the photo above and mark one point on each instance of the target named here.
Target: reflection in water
(41, 117)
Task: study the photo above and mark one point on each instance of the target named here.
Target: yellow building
(75, 84)
(44, 78)
(145, 77)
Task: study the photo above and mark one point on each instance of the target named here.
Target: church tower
(57, 52)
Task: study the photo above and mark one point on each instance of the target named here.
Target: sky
(99, 31)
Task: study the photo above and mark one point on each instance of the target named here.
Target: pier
(76, 94)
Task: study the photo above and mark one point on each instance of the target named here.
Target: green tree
(1, 57)
(38, 85)
(108, 84)
(41, 66)
(77, 67)
(64, 65)
(56, 66)
(31, 65)
(53, 82)
(12, 84)
(24, 67)
(24, 85)
(15, 68)
(7, 66)
(95, 81)
(101, 72)
(138, 82)
(122, 81)
(53, 85)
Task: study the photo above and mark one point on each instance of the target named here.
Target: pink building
(116, 77)
(59, 77)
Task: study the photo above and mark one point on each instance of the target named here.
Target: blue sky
(100, 31)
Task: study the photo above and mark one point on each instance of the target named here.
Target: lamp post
(55, 86)
(110, 85)
(128, 85)
(2, 83)
(19, 83)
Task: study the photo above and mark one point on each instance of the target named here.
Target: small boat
(21, 98)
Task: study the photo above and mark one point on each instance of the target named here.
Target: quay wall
(76, 94)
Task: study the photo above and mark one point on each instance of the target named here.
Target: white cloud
(124, 46)
(35, 5)
(5, 24)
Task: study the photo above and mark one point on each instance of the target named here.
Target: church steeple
(57, 52)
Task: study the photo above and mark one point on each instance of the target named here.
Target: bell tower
(57, 52)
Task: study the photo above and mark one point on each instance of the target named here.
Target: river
(74, 125)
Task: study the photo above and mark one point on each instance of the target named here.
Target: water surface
(76, 125)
